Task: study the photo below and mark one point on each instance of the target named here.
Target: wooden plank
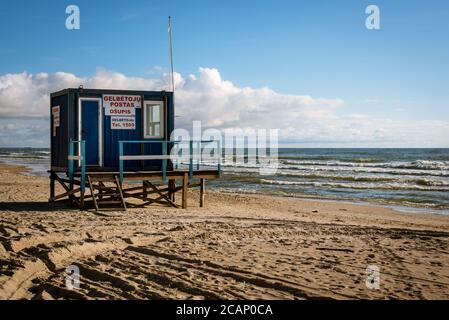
(62, 182)
(119, 188)
(179, 174)
(202, 191)
(112, 194)
(161, 157)
(144, 188)
(102, 178)
(139, 177)
(65, 194)
(101, 187)
(110, 202)
(143, 157)
(160, 193)
(67, 189)
(93, 193)
(139, 195)
(82, 199)
(185, 183)
(156, 200)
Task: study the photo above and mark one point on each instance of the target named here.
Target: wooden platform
(138, 175)
(150, 192)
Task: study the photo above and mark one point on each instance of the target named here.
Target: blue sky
(316, 48)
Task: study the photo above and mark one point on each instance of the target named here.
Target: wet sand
(237, 247)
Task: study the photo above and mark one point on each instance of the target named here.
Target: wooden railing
(165, 156)
(80, 158)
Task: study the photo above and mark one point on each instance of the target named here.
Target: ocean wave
(418, 164)
(336, 171)
(24, 156)
(345, 170)
(372, 178)
(315, 176)
(416, 203)
(421, 167)
(330, 161)
(367, 178)
(349, 185)
(429, 182)
(425, 165)
(364, 169)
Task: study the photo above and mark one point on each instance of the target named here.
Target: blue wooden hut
(100, 138)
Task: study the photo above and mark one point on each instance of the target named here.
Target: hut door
(91, 129)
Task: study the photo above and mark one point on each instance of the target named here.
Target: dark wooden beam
(152, 186)
(202, 191)
(185, 185)
(52, 184)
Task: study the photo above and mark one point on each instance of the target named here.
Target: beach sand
(237, 247)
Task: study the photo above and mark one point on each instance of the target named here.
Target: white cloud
(24, 133)
(221, 104)
(26, 95)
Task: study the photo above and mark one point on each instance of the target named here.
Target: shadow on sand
(47, 207)
(34, 206)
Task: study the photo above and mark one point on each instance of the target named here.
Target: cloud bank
(218, 103)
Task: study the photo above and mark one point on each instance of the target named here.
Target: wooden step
(109, 202)
(111, 195)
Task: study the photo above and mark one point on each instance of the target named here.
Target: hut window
(153, 123)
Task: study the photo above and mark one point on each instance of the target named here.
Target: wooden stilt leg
(202, 191)
(71, 200)
(171, 188)
(100, 191)
(81, 199)
(185, 182)
(144, 187)
(52, 185)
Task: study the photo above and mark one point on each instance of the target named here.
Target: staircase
(106, 197)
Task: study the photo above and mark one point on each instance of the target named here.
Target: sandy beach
(237, 247)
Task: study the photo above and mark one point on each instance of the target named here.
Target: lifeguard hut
(108, 146)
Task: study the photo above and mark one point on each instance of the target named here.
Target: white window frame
(162, 117)
(100, 128)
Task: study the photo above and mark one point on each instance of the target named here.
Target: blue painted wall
(60, 143)
(69, 125)
(90, 131)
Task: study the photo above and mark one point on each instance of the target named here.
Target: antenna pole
(171, 56)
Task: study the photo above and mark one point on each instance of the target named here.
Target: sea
(405, 179)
